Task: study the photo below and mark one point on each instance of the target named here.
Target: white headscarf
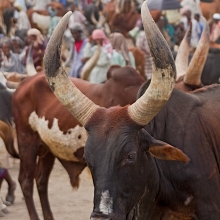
(36, 32)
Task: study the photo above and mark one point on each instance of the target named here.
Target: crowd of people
(84, 40)
(18, 39)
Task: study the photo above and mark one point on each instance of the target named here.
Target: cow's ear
(167, 152)
(162, 150)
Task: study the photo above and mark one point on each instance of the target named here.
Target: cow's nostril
(99, 216)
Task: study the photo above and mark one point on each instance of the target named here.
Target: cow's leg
(44, 168)
(10, 197)
(28, 151)
(1, 205)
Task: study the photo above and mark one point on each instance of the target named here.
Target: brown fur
(7, 135)
(4, 4)
(181, 85)
(124, 22)
(208, 9)
(139, 60)
(124, 26)
(168, 152)
(113, 116)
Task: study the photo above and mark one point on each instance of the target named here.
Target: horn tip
(68, 14)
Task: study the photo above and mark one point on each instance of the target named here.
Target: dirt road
(66, 203)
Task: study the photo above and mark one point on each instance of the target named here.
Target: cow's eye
(131, 157)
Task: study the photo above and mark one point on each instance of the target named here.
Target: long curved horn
(164, 72)
(69, 95)
(182, 57)
(30, 68)
(194, 71)
(90, 64)
(93, 19)
(103, 19)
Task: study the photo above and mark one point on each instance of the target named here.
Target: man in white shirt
(196, 29)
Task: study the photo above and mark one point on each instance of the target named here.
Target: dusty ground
(66, 203)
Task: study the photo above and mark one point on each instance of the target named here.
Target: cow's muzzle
(100, 216)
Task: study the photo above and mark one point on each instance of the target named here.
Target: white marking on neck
(106, 203)
(62, 145)
(188, 200)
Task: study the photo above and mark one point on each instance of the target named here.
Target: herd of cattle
(153, 150)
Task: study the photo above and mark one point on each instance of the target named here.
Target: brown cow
(139, 60)
(44, 130)
(4, 4)
(7, 135)
(40, 19)
(209, 8)
(6, 131)
(121, 15)
(125, 17)
(131, 176)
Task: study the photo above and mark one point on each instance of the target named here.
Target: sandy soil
(66, 203)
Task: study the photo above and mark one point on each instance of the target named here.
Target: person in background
(99, 72)
(196, 30)
(39, 4)
(1, 32)
(36, 39)
(23, 4)
(77, 49)
(18, 44)
(22, 20)
(8, 18)
(142, 44)
(121, 55)
(11, 61)
(170, 30)
(215, 29)
(194, 6)
(179, 33)
(63, 2)
(197, 18)
(161, 26)
(76, 17)
(53, 21)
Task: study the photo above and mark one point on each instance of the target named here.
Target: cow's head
(118, 150)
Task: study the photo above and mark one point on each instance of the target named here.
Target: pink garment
(106, 45)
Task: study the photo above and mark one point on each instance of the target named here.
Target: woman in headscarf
(121, 55)
(36, 40)
(11, 61)
(77, 48)
(99, 72)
